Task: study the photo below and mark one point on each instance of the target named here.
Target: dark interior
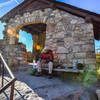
(38, 32)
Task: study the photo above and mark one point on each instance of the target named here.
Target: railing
(3, 67)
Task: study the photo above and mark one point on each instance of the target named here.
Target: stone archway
(24, 22)
(38, 32)
(35, 18)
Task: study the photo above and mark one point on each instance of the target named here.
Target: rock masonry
(70, 37)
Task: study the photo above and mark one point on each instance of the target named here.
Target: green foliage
(32, 72)
(98, 60)
(80, 66)
(89, 76)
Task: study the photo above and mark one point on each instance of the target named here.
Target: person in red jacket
(45, 59)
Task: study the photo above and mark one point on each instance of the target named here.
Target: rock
(19, 58)
(61, 40)
(88, 47)
(90, 61)
(12, 54)
(98, 93)
(80, 55)
(76, 48)
(68, 41)
(61, 50)
(59, 35)
(13, 62)
(70, 56)
(73, 21)
(61, 56)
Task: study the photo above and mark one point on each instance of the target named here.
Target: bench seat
(66, 70)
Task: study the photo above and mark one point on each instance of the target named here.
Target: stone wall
(14, 55)
(70, 37)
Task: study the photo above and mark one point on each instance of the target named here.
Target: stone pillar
(6, 38)
(12, 34)
(50, 30)
(35, 42)
(33, 46)
(15, 54)
(12, 40)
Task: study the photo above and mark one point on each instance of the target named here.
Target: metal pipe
(10, 72)
(11, 83)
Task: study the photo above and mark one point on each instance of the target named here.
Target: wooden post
(12, 92)
(2, 66)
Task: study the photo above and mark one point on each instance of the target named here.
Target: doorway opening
(38, 32)
(25, 39)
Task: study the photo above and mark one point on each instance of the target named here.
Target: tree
(98, 60)
(88, 78)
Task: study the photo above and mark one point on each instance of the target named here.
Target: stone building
(69, 31)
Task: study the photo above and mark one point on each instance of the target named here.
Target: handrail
(10, 83)
(7, 85)
(10, 72)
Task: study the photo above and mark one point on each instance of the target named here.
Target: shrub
(80, 66)
(89, 76)
(32, 72)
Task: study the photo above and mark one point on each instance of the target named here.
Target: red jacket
(45, 56)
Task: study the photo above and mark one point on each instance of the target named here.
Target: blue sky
(91, 5)
(7, 5)
(26, 38)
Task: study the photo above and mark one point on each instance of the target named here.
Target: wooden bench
(66, 70)
(71, 70)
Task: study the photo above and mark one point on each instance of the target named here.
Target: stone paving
(21, 92)
(41, 88)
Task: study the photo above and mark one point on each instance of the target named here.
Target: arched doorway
(26, 39)
(38, 32)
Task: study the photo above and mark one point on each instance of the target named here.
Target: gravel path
(39, 88)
